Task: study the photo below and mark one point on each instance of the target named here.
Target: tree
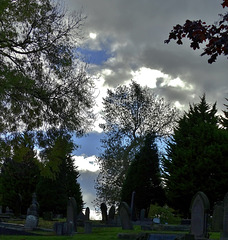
(198, 32)
(19, 174)
(143, 177)
(224, 119)
(130, 112)
(42, 83)
(196, 158)
(53, 193)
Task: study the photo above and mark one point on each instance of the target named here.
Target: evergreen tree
(53, 192)
(224, 119)
(196, 158)
(19, 173)
(144, 177)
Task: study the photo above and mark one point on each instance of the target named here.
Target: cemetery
(117, 223)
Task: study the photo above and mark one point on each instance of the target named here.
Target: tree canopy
(130, 113)
(214, 36)
(196, 158)
(42, 82)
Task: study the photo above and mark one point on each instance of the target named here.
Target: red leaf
(225, 3)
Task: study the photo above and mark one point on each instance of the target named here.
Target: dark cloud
(134, 32)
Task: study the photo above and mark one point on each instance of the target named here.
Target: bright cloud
(86, 163)
(93, 35)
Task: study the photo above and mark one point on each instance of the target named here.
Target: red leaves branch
(215, 36)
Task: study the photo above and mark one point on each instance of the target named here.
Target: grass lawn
(98, 233)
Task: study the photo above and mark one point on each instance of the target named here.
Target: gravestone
(87, 214)
(125, 216)
(200, 207)
(224, 233)
(81, 219)
(63, 228)
(72, 213)
(133, 215)
(217, 217)
(111, 214)
(142, 215)
(104, 212)
(32, 217)
(0, 209)
(88, 227)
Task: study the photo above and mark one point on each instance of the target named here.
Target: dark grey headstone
(72, 213)
(125, 216)
(199, 215)
(63, 228)
(111, 214)
(88, 227)
(0, 209)
(142, 215)
(217, 217)
(87, 214)
(104, 212)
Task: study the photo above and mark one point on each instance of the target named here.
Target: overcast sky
(125, 40)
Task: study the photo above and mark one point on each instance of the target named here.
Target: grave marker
(125, 216)
(199, 215)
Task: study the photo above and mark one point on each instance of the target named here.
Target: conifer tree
(144, 177)
(196, 158)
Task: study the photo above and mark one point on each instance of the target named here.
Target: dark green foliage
(53, 192)
(196, 158)
(144, 177)
(19, 174)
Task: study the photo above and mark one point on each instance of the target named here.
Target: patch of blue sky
(97, 57)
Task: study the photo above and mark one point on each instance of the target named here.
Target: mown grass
(98, 233)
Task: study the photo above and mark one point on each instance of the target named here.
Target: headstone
(224, 233)
(104, 212)
(88, 227)
(217, 217)
(0, 209)
(81, 219)
(125, 216)
(63, 228)
(156, 220)
(33, 209)
(111, 214)
(72, 213)
(142, 215)
(200, 207)
(133, 217)
(31, 222)
(87, 214)
(9, 211)
(32, 217)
